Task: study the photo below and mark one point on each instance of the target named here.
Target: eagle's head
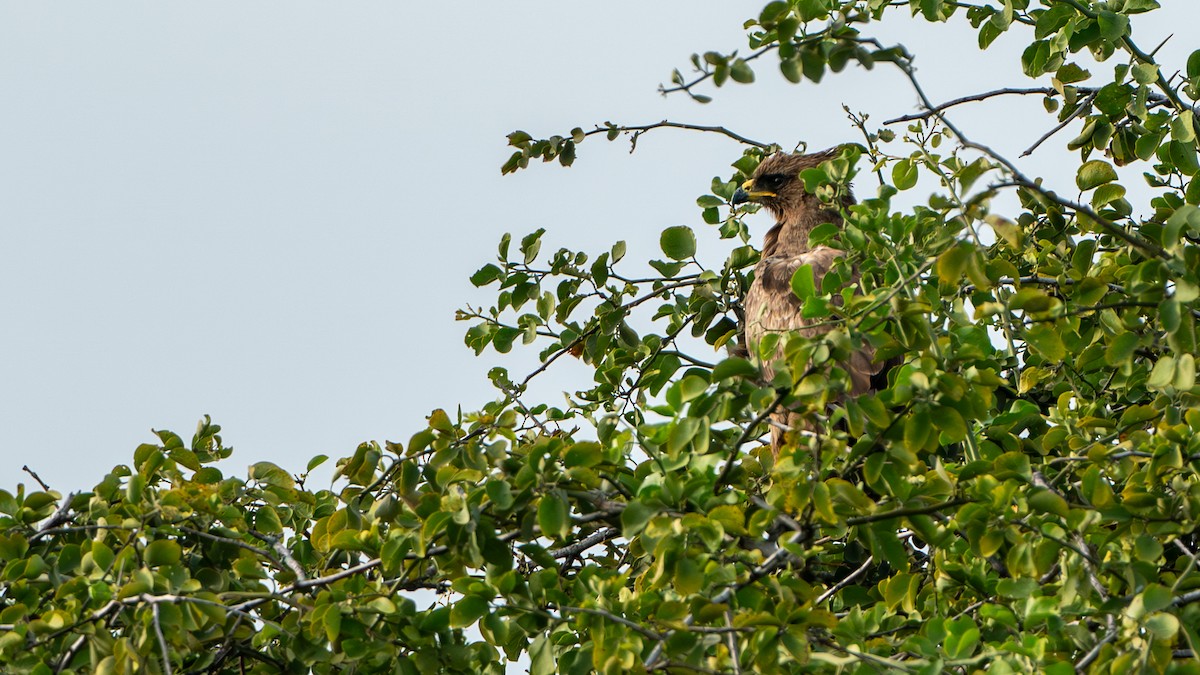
(776, 184)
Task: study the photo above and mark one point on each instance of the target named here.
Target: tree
(1022, 496)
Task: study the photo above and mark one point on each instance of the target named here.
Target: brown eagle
(769, 305)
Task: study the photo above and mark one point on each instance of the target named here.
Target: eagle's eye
(772, 181)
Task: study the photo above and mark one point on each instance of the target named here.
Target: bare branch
(70, 653)
(1087, 659)
(584, 544)
(56, 519)
(973, 98)
(277, 544)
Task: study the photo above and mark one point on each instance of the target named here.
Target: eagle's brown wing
(770, 306)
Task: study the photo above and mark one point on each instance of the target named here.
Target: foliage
(1023, 496)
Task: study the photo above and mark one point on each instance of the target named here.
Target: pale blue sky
(268, 212)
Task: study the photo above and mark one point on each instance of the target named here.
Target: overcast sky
(267, 212)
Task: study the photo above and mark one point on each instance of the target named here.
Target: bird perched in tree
(770, 305)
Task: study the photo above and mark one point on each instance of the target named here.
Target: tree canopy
(1022, 496)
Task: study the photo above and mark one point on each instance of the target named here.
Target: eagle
(770, 306)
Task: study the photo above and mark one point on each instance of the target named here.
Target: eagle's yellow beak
(747, 193)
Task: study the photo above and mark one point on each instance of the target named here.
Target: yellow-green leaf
(1095, 173)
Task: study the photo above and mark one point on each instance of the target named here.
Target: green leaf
(689, 577)
(1162, 374)
(618, 251)
(1094, 173)
(635, 516)
(1071, 73)
(791, 70)
(1036, 58)
(1113, 26)
(1046, 341)
(1183, 156)
(1157, 597)
(917, 430)
(271, 474)
(1147, 548)
(953, 262)
(500, 492)
(436, 621)
(904, 174)
(1031, 299)
(552, 516)
(1048, 501)
(600, 269)
(1185, 372)
(741, 72)
(1107, 194)
(962, 638)
(468, 610)
(332, 621)
(1162, 625)
(802, 282)
(531, 244)
(486, 275)
(163, 552)
(587, 453)
(1145, 73)
(1051, 20)
(1112, 99)
(1169, 314)
(266, 520)
(678, 243)
(733, 367)
(1016, 589)
(1120, 348)
(682, 433)
(950, 422)
(690, 387)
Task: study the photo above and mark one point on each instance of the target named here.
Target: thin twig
(905, 512)
(731, 639)
(33, 473)
(845, 582)
(69, 655)
(633, 625)
(1083, 105)
(641, 129)
(1087, 659)
(707, 74)
(162, 641)
(588, 333)
(973, 98)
